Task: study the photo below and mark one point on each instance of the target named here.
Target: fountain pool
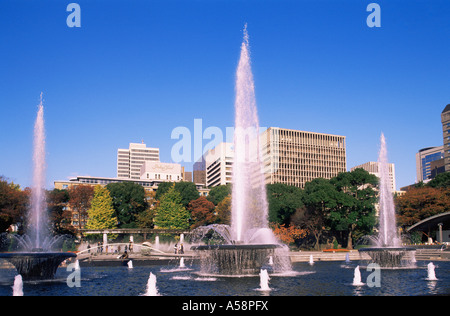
(324, 278)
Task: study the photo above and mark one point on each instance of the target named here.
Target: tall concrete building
(219, 164)
(445, 119)
(296, 157)
(372, 167)
(199, 172)
(130, 161)
(424, 162)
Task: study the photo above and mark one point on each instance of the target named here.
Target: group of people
(111, 248)
(178, 249)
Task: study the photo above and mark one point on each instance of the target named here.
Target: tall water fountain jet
(249, 207)
(388, 236)
(35, 261)
(387, 251)
(252, 242)
(38, 204)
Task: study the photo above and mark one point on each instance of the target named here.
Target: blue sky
(138, 69)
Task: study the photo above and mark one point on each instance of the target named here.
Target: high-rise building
(219, 164)
(199, 171)
(445, 119)
(372, 167)
(296, 157)
(130, 161)
(424, 159)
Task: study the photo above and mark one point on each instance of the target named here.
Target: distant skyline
(137, 70)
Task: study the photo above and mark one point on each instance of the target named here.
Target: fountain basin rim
(236, 247)
(7, 255)
(372, 249)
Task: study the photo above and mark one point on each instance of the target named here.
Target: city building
(130, 161)
(199, 171)
(424, 160)
(295, 157)
(219, 163)
(150, 185)
(187, 176)
(445, 119)
(372, 167)
(161, 171)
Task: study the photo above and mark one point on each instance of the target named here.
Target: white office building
(161, 171)
(130, 161)
(372, 168)
(219, 165)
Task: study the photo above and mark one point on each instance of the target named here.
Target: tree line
(335, 211)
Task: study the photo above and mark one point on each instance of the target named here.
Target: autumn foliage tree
(13, 204)
(59, 215)
(289, 234)
(80, 198)
(420, 203)
(202, 212)
(223, 211)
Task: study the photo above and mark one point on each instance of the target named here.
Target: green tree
(187, 190)
(129, 200)
(319, 199)
(442, 180)
(354, 212)
(218, 193)
(101, 214)
(283, 201)
(171, 214)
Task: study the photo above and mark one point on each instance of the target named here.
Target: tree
(283, 201)
(218, 193)
(101, 213)
(202, 212)
(187, 190)
(145, 219)
(420, 203)
(129, 200)
(442, 180)
(288, 235)
(80, 197)
(354, 212)
(171, 214)
(223, 210)
(59, 214)
(13, 204)
(319, 199)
